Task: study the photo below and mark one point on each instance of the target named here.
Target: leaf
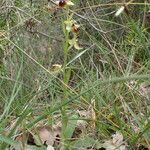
(45, 135)
(30, 147)
(2, 33)
(8, 140)
(49, 147)
(116, 143)
(117, 138)
(71, 126)
(144, 90)
(85, 142)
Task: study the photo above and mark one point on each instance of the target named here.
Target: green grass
(104, 79)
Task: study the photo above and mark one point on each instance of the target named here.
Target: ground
(75, 75)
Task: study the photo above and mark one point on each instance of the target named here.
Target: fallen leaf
(86, 142)
(116, 143)
(117, 138)
(49, 147)
(84, 114)
(2, 33)
(144, 90)
(46, 136)
(81, 124)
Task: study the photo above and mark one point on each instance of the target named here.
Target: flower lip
(62, 3)
(75, 28)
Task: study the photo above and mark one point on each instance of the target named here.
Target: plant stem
(66, 77)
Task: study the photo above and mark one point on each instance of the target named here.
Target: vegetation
(74, 74)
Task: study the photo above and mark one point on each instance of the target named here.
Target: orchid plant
(70, 27)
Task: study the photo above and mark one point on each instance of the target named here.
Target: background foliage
(109, 76)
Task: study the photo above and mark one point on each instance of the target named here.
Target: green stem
(65, 80)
